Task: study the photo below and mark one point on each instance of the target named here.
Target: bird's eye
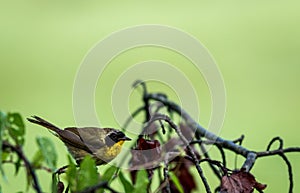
(111, 139)
(114, 137)
(120, 134)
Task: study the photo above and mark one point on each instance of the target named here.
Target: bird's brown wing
(90, 139)
(70, 137)
(73, 129)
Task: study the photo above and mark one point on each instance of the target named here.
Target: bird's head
(115, 137)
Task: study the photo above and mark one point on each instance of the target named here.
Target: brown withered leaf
(151, 131)
(60, 187)
(187, 131)
(184, 175)
(145, 154)
(144, 144)
(240, 182)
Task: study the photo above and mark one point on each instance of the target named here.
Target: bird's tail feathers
(39, 121)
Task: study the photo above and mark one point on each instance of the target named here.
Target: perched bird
(102, 144)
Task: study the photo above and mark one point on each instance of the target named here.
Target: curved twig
(186, 143)
(290, 171)
(166, 178)
(277, 152)
(274, 140)
(28, 166)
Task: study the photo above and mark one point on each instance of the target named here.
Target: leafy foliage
(11, 128)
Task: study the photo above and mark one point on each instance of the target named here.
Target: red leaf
(145, 155)
(144, 144)
(240, 182)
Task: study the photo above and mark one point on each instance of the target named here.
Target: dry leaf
(240, 182)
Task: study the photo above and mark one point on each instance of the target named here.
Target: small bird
(102, 144)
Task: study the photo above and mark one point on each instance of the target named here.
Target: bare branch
(277, 152)
(28, 166)
(166, 178)
(186, 143)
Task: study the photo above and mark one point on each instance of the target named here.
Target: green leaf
(128, 187)
(16, 127)
(2, 127)
(88, 175)
(141, 182)
(2, 120)
(108, 174)
(37, 159)
(18, 165)
(54, 183)
(71, 175)
(176, 182)
(16, 122)
(48, 151)
(5, 155)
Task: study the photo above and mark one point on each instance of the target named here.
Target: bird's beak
(126, 138)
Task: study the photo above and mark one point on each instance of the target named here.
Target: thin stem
(166, 178)
(187, 145)
(290, 171)
(277, 152)
(28, 166)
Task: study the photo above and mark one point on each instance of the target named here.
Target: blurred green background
(255, 44)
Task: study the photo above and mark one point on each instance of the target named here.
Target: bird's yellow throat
(115, 149)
